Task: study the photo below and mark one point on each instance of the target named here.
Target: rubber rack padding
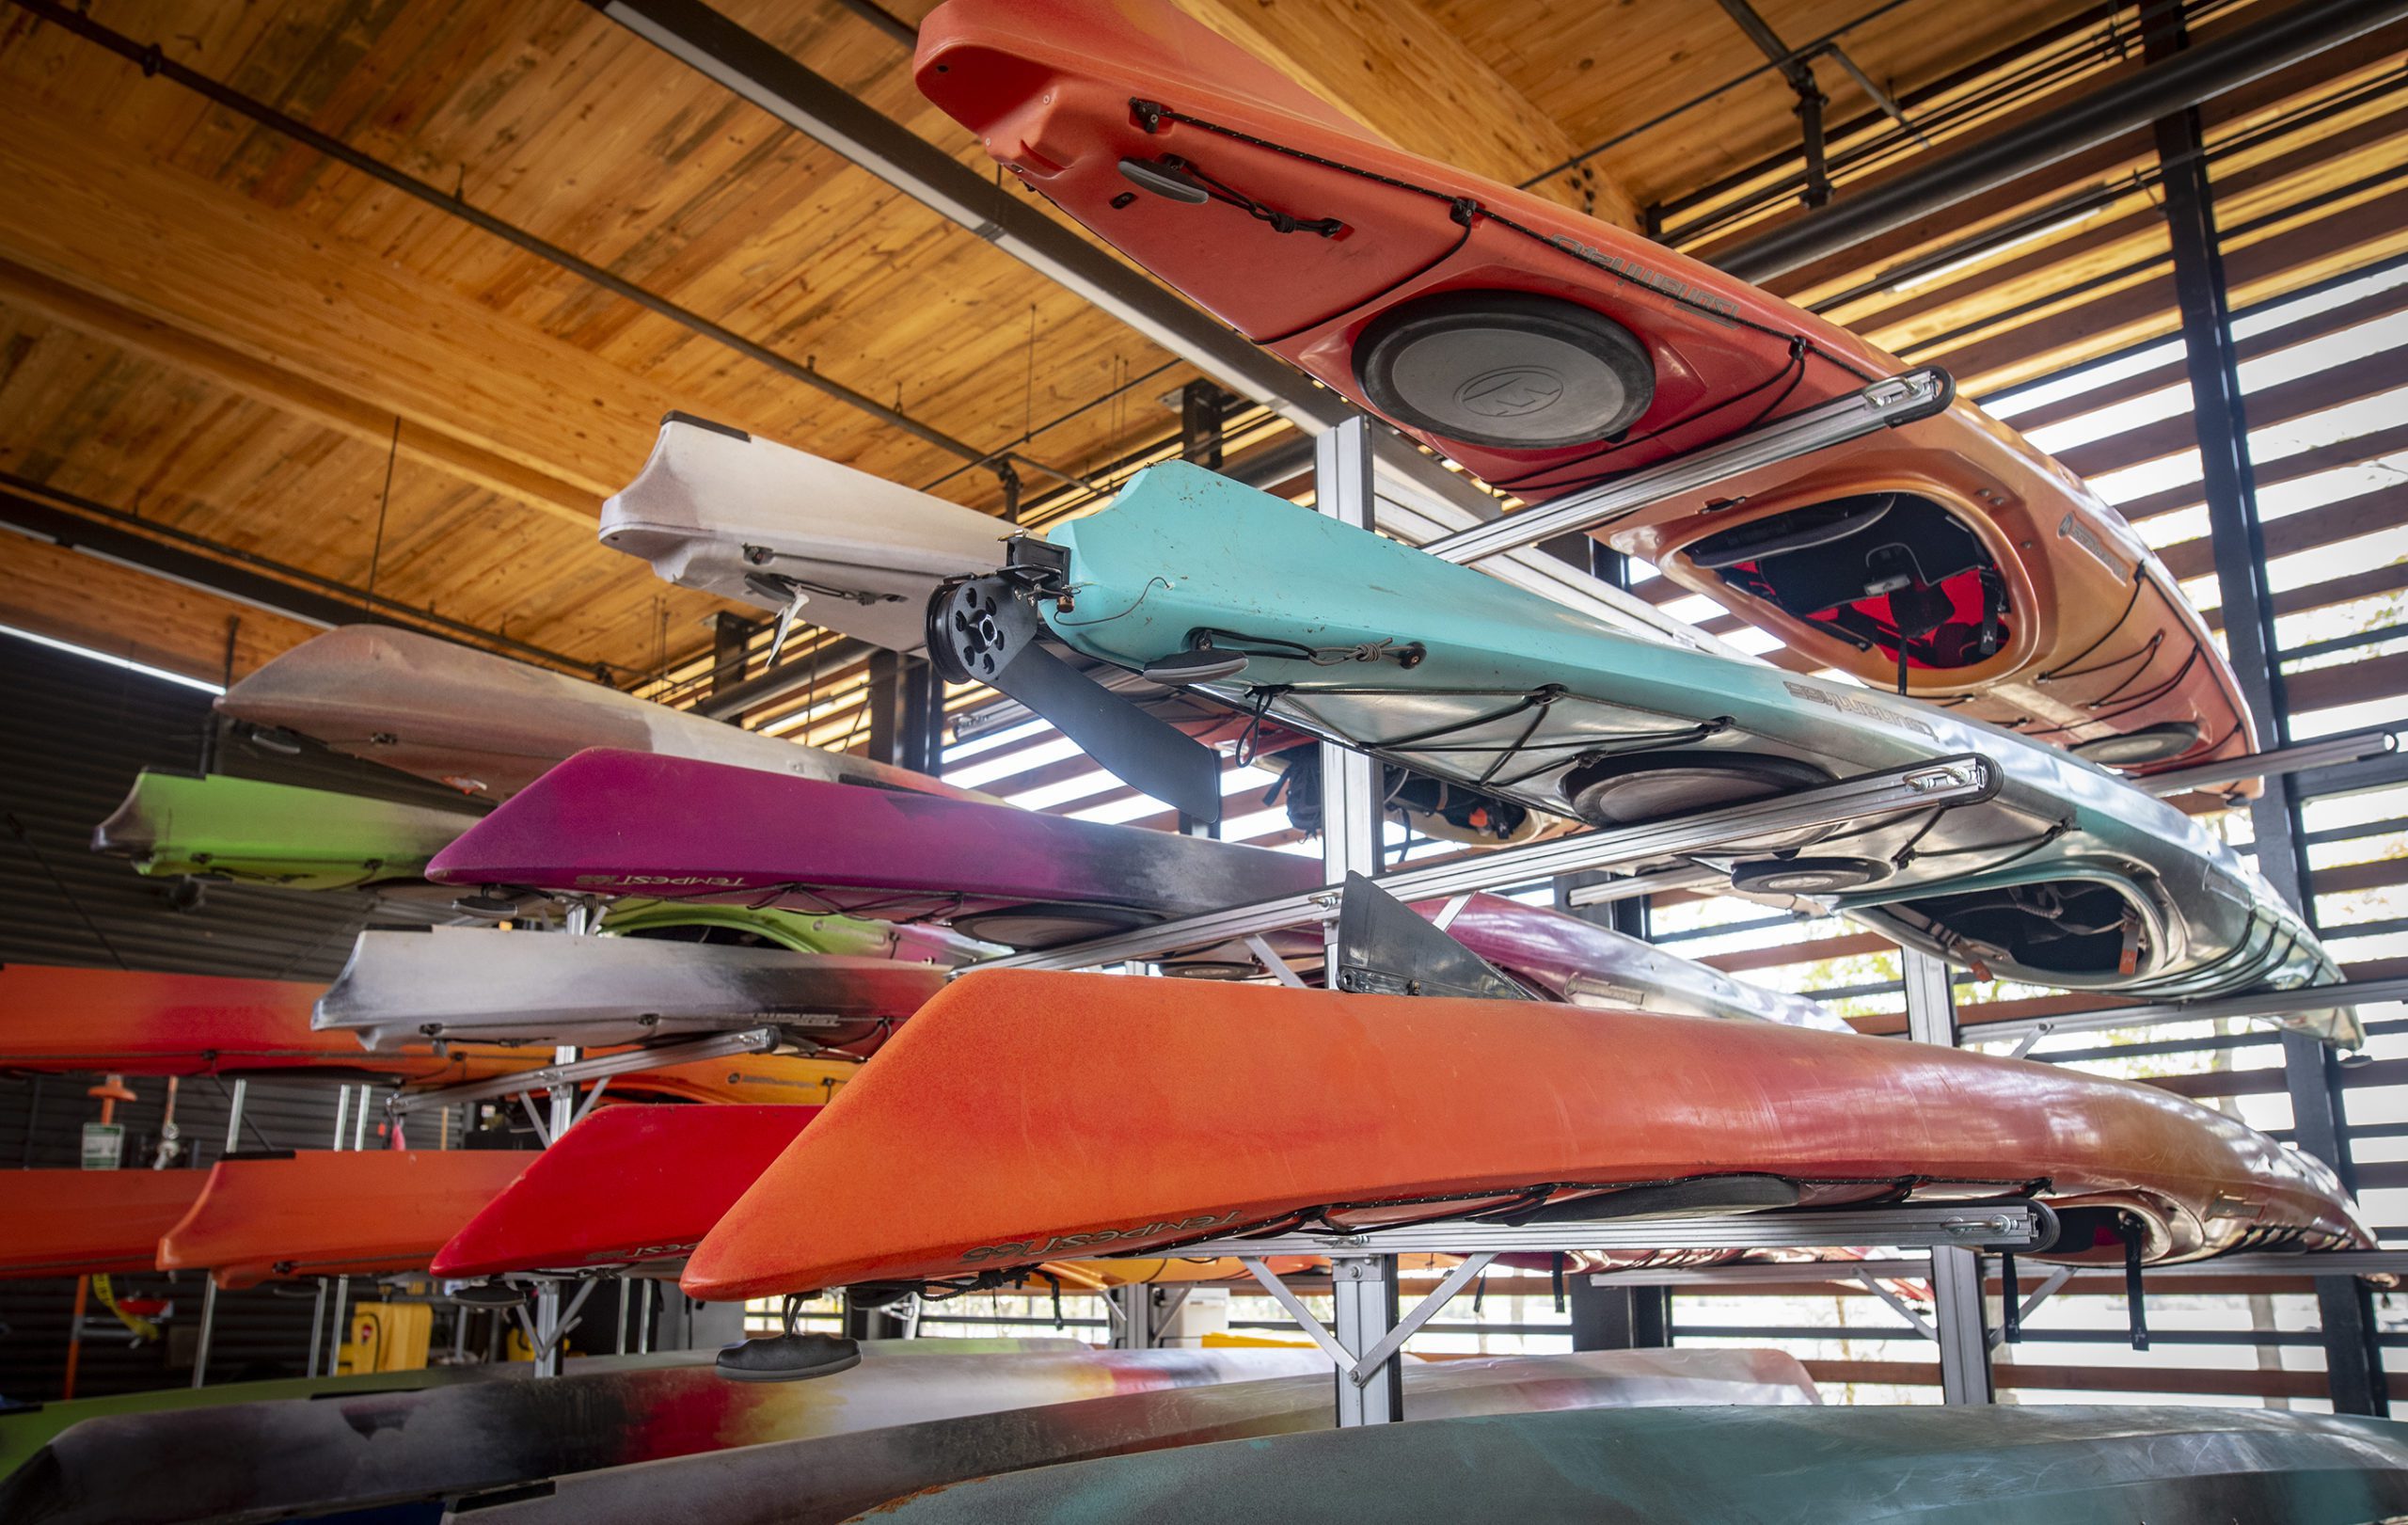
(1508, 370)
(788, 1358)
(1807, 876)
(1641, 786)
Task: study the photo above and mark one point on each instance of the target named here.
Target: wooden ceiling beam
(170, 343)
(260, 282)
(1398, 70)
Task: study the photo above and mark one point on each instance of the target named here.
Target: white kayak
(723, 511)
(490, 726)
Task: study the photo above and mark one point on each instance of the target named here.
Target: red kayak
(332, 1213)
(90, 1222)
(1092, 1114)
(626, 1187)
(1547, 352)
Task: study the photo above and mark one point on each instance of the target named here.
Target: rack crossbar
(577, 1072)
(1942, 781)
(1883, 405)
(2015, 1226)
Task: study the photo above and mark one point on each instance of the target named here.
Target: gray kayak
(1933, 1466)
(805, 1482)
(465, 983)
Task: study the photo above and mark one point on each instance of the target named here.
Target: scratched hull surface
(270, 1460)
(2066, 875)
(489, 726)
(727, 512)
(1088, 1114)
(472, 984)
(1933, 1466)
(816, 1481)
(1545, 351)
(256, 833)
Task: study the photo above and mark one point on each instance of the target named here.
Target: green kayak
(258, 832)
(1736, 1465)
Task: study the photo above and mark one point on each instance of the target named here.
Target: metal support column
(1351, 814)
(1364, 1287)
(1619, 1318)
(730, 634)
(209, 1287)
(1134, 1322)
(549, 1336)
(2219, 413)
(884, 698)
(1955, 1273)
(1202, 408)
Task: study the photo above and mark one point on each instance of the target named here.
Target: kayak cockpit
(1880, 571)
(2075, 927)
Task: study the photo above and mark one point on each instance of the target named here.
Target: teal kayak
(1736, 1465)
(2065, 876)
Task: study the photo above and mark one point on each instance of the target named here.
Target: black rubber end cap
(789, 1357)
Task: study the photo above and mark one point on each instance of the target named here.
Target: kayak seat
(1878, 570)
(2069, 927)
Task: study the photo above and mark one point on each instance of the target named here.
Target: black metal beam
(153, 62)
(246, 577)
(2168, 84)
(819, 108)
(2353, 1362)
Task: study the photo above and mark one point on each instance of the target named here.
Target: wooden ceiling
(210, 325)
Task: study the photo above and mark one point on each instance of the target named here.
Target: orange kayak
(56, 1020)
(90, 1222)
(332, 1213)
(138, 1023)
(1084, 1114)
(638, 1186)
(1547, 352)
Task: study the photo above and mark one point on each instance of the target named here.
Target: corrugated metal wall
(79, 731)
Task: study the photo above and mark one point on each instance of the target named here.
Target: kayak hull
(90, 1222)
(321, 1213)
(627, 1186)
(257, 833)
(273, 1460)
(1466, 313)
(2081, 880)
(628, 823)
(1935, 1466)
(726, 512)
(476, 985)
(488, 726)
(814, 1481)
(1094, 1114)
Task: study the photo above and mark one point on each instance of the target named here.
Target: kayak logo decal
(710, 880)
(1860, 708)
(1038, 1250)
(1514, 392)
(1720, 309)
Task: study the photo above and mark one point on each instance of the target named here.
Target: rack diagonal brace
(1942, 781)
(553, 1076)
(1883, 405)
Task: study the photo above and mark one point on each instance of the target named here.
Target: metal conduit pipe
(2175, 84)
